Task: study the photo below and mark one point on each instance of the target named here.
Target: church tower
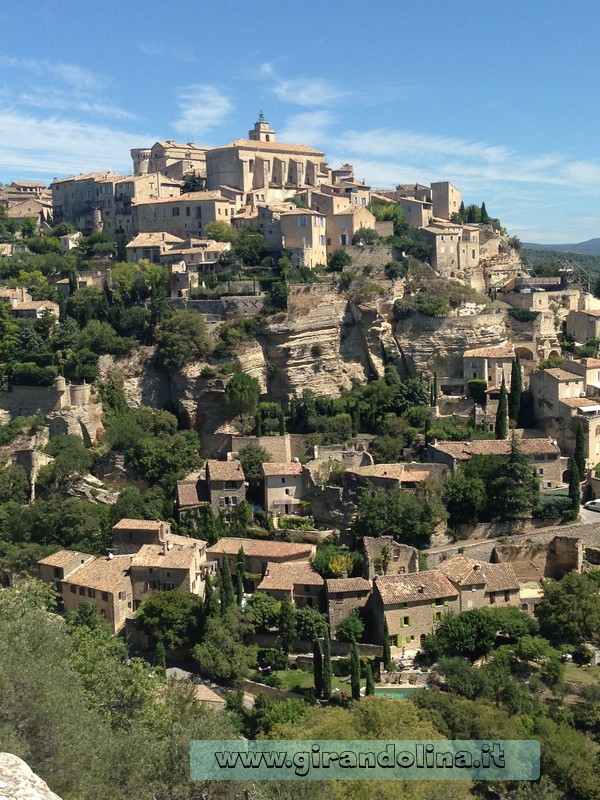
(262, 131)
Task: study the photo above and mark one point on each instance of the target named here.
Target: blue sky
(498, 98)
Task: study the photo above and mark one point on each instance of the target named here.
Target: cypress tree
(387, 651)
(258, 423)
(326, 676)
(575, 490)
(484, 217)
(579, 456)
(370, 690)
(354, 671)
(461, 211)
(501, 427)
(281, 423)
(211, 609)
(160, 658)
(318, 668)
(287, 624)
(516, 390)
(227, 595)
(241, 572)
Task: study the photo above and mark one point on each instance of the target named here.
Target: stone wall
(375, 255)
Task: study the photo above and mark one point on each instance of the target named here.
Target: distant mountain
(591, 247)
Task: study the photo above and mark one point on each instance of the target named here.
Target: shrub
(523, 314)
(339, 260)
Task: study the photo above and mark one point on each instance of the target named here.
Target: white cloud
(309, 92)
(63, 101)
(72, 75)
(310, 127)
(59, 147)
(201, 108)
(157, 50)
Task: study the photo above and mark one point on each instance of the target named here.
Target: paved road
(589, 517)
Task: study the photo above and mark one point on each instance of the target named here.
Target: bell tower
(262, 131)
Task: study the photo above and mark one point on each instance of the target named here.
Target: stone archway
(524, 353)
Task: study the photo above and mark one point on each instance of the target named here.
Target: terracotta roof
(185, 198)
(179, 556)
(202, 694)
(592, 312)
(154, 239)
(301, 212)
(499, 351)
(250, 144)
(35, 305)
(416, 586)
(270, 470)
(284, 577)
(495, 447)
(407, 473)
(224, 470)
(589, 363)
(126, 524)
(260, 548)
(64, 557)
(335, 585)
(563, 374)
(469, 572)
(91, 176)
(187, 493)
(102, 573)
(580, 402)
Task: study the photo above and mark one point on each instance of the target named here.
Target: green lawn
(585, 677)
(292, 678)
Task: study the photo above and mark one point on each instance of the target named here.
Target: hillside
(590, 247)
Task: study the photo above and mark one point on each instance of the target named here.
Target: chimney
(164, 548)
(421, 589)
(476, 566)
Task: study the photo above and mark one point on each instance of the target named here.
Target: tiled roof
(499, 351)
(203, 694)
(63, 557)
(563, 374)
(468, 572)
(224, 470)
(102, 573)
(589, 363)
(496, 447)
(335, 585)
(179, 556)
(137, 524)
(580, 402)
(154, 239)
(273, 470)
(260, 548)
(283, 577)
(592, 312)
(184, 198)
(425, 586)
(407, 473)
(271, 147)
(187, 493)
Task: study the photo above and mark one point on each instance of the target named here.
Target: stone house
(303, 231)
(171, 159)
(385, 556)
(344, 223)
(343, 596)
(390, 476)
(207, 698)
(259, 553)
(489, 364)
(129, 535)
(151, 246)
(480, 583)
(411, 604)
(184, 215)
(299, 581)
(34, 309)
(455, 248)
(226, 484)
(418, 213)
(446, 199)
(54, 568)
(584, 325)
(544, 453)
(283, 487)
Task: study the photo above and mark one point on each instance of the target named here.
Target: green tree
(241, 394)
(252, 457)
(160, 658)
(516, 390)
(484, 217)
(171, 617)
(220, 232)
(240, 574)
(264, 611)
(501, 426)
(515, 492)
(310, 624)
(326, 667)
(226, 593)
(250, 246)
(211, 606)
(465, 497)
(469, 634)
(71, 458)
(570, 609)
(317, 668)
(575, 491)
(370, 686)
(351, 628)
(287, 624)
(223, 656)
(339, 259)
(354, 671)
(579, 455)
(182, 339)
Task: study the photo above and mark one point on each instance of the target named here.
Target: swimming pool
(397, 691)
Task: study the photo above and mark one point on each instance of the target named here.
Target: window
(506, 596)
(438, 616)
(406, 620)
(150, 569)
(91, 593)
(81, 590)
(187, 211)
(57, 572)
(105, 596)
(302, 221)
(492, 598)
(231, 484)
(175, 211)
(283, 480)
(121, 595)
(540, 470)
(73, 589)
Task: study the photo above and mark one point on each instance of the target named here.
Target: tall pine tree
(326, 677)
(211, 607)
(318, 668)
(370, 687)
(516, 390)
(241, 572)
(354, 671)
(501, 427)
(579, 455)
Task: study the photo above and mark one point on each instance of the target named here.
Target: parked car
(592, 505)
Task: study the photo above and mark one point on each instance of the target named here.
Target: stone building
(128, 535)
(385, 556)
(184, 215)
(298, 581)
(584, 325)
(455, 251)
(221, 485)
(412, 605)
(151, 246)
(345, 595)
(284, 487)
(259, 553)
(171, 159)
(489, 364)
(481, 584)
(303, 231)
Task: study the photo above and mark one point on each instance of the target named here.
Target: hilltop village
(309, 439)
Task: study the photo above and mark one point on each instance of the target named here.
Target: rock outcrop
(19, 782)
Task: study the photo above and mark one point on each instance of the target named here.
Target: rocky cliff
(19, 782)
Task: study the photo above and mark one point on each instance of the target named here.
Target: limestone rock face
(19, 782)
(436, 344)
(145, 382)
(315, 346)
